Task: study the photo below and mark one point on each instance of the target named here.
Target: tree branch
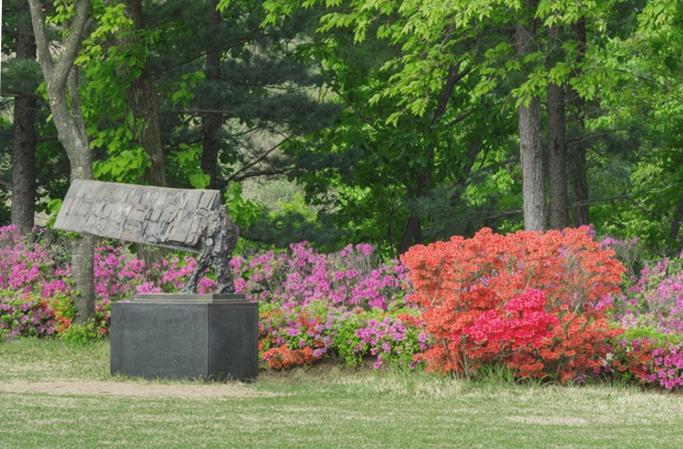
(360, 114)
(454, 75)
(498, 213)
(246, 167)
(204, 111)
(46, 138)
(640, 75)
(591, 135)
(459, 119)
(72, 44)
(615, 198)
(44, 55)
(18, 94)
(53, 176)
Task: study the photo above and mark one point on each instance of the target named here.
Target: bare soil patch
(97, 388)
(548, 420)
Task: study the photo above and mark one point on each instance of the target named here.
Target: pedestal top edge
(189, 298)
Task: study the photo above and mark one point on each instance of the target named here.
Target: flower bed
(547, 306)
(313, 306)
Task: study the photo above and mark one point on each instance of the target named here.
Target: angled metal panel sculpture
(188, 220)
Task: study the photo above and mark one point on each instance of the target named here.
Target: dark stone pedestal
(185, 336)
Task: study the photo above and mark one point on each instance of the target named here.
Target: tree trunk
(212, 123)
(412, 234)
(578, 177)
(676, 226)
(59, 76)
(531, 146)
(24, 146)
(557, 151)
(144, 103)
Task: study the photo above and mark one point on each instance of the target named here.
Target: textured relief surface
(188, 220)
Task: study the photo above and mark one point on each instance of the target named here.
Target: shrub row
(547, 306)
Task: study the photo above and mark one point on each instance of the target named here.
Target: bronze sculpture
(188, 220)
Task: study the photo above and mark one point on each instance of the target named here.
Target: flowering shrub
(466, 284)
(24, 316)
(656, 299)
(537, 304)
(297, 335)
(309, 298)
(26, 267)
(348, 278)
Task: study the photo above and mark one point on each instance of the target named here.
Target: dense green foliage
(390, 123)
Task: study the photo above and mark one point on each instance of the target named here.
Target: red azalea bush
(533, 302)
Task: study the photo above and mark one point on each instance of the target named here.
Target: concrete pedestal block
(196, 336)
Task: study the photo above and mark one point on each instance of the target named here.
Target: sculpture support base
(210, 337)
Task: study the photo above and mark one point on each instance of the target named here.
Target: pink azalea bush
(25, 316)
(320, 305)
(345, 304)
(348, 278)
(651, 310)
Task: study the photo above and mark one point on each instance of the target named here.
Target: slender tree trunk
(212, 123)
(676, 225)
(82, 258)
(412, 233)
(531, 145)
(578, 177)
(557, 150)
(144, 103)
(24, 146)
(61, 75)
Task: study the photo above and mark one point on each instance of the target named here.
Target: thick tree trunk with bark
(144, 104)
(531, 158)
(531, 145)
(24, 146)
(62, 76)
(578, 177)
(212, 123)
(557, 151)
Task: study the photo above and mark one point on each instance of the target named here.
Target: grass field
(55, 395)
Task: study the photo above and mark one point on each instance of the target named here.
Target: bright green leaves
(656, 15)
(111, 21)
(187, 160)
(127, 166)
(243, 211)
(111, 59)
(180, 91)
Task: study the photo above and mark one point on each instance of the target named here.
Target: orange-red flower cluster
(283, 357)
(528, 300)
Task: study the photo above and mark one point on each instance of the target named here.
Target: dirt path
(96, 388)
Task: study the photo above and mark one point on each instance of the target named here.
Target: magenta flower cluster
(655, 299)
(26, 267)
(666, 367)
(25, 317)
(349, 278)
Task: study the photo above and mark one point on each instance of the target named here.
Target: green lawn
(54, 395)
